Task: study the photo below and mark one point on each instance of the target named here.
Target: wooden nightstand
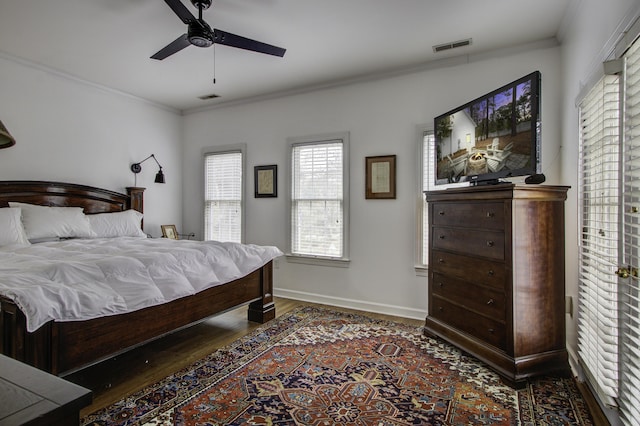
(33, 397)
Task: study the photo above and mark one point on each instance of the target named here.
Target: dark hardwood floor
(118, 377)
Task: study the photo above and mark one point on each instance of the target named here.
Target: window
(319, 197)
(598, 183)
(630, 286)
(223, 195)
(426, 157)
(609, 184)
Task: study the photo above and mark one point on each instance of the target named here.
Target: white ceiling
(109, 42)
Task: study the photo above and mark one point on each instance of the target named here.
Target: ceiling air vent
(206, 97)
(452, 45)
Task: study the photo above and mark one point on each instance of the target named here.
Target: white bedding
(82, 279)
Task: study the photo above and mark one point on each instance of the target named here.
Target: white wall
(588, 39)
(382, 117)
(71, 131)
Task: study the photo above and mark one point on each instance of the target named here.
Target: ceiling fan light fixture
(199, 36)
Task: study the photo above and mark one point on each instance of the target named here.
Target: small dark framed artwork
(381, 177)
(266, 181)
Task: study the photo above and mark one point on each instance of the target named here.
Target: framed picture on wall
(380, 177)
(265, 181)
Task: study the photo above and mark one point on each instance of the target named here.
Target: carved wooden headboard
(93, 200)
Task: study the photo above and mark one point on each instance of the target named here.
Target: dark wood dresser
(496, 276)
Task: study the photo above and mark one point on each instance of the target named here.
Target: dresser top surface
(501, 191)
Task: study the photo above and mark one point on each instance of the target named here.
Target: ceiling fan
(200, 34)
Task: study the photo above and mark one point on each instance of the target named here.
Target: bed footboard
(63, 347)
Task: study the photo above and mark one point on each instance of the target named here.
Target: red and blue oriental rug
(320, 367)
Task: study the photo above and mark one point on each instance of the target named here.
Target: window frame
(343, 261)
(226, 149)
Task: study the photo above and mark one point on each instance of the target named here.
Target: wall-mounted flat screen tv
(492, 137)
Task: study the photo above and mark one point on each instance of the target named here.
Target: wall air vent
(452, 45)
(207, 97)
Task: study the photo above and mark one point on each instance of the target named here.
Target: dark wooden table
(29, 396)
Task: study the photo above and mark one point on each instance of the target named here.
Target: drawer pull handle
(491, 272)
(491, 330)
(441, 237)
(439, 284)
(441, 260)
(490, 302)
(441, 212)
(490, 243)
(440, 308)
(491, 214)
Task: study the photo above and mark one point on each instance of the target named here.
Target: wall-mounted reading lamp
(6, 140)
(137, 168)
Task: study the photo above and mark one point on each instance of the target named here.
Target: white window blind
(223, 196)
(428, 170)
(630, 287)
(317, 199)
(599, 239)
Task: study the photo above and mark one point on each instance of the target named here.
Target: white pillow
(117, 224)
(11, 229)
(46, 222)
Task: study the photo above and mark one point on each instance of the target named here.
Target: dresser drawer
(485, 301)
(480, 327)
(488, 244)
(489, 215)
(472, 269)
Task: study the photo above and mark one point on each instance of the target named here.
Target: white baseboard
(340, 302)
(576, 368)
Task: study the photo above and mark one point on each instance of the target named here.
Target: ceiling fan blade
(173, 47)
(181, 10)
(228, 39)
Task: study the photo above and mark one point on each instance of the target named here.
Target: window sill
(317, 260)
(421, 270)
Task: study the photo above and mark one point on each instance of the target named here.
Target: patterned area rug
(320, 367)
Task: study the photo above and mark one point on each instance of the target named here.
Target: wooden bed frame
(64, 347)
